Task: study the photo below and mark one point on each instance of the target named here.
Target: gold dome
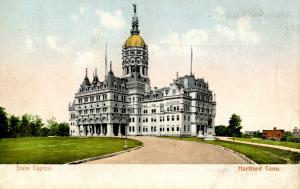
(134, 41)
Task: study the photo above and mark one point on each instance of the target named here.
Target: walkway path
(163, 150)
(259, 144)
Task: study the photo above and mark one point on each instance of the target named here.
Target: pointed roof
(72, 107)
(86, 82)
(110, 75)
(95, 79)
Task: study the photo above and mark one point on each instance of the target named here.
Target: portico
(103, 129)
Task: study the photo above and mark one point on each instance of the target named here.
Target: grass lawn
(57, 150)
(272, 142)
(259, 154)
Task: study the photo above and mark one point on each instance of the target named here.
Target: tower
(135, 55)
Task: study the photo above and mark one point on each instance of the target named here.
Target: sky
(248, 51)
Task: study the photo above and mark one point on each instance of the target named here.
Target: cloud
(80, 13)
(245, 31)
(74, 17)
(111, 20)
(217, 12)
(82, 10)
(29, 43)
(55, 43)
(233, 32)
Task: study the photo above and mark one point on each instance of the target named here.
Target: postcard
(149, 94)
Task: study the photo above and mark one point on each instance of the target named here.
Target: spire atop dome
(105, 59)
(191, 73)
(135, 22)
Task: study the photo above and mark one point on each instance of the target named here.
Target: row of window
(91, 111)
(169, 109)
(101, 97)
(104, 86)
(161, 118)
(203, 110)
(205, 98)
(186, 128)
(135, 52)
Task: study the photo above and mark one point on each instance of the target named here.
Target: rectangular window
(177, 117)
(92, 98)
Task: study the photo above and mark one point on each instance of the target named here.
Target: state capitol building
(127, 105)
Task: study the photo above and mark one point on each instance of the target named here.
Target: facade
(275, 134)
(127, 105)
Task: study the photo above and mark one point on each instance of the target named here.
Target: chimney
(274, 128)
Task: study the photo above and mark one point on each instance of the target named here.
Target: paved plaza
(163, 151)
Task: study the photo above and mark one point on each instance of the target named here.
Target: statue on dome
(134, 8)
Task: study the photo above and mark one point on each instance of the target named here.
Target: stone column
(95, 130)
(83, 129)
(89, 130)
(193, 130)
(126, 130)
(109, 129)
(119, 130)
(101, 130)
(79, 134)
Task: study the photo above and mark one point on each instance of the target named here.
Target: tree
(234, 127)
(63, 129)
(13, 126)
(221, 130)
(3, 123)
(53, 126)
(58, 129)
(44, 131)
(35, 125)
(257, 134)
(288, 136)
(24, 126)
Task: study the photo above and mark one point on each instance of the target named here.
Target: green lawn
(272, 142)
(57, 150)
(259, 154)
